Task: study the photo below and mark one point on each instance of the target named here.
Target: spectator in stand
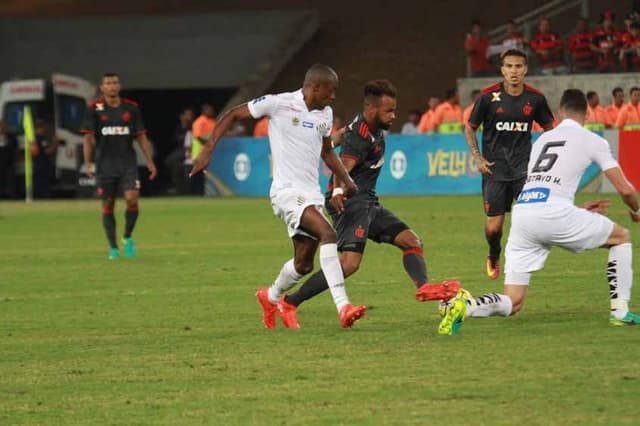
(630, 50)
(8, 147)
(175, 159)
(411, 126)
(513, 39)
(606, 43)
(447, 117)
(582, 58)
(629, 18)
(261, 129)
(629, 116)
(596, 115)
(467, 111)
(426, 120)
(613, 110)
(43, 152)
(549, 49)
(476, 45)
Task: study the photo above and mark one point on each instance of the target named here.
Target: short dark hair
(616, 90)
(633, 89)
(109, 75)
(591, 94)
(377, 89)
(513, 52)
(573, 100)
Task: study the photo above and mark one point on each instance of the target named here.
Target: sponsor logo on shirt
(495, 97)
(115, 130)
(307, 124)
(512, 126)
(533, 195)
(99, 107)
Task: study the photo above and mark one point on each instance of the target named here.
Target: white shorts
(535, 229)
(289, 204)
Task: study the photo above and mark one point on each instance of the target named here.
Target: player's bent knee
(350, 268)
(327, 236)
(303, 267)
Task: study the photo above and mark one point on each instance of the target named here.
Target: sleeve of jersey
(353, 147)
(138, 124)
(88, 122)
(264, 105)
(477, 113)
(602, 154)
(544, 116)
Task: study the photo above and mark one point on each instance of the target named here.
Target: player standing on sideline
(362, 217)
(506, 111)
(299, 134)
(545, 216)
(114, 123)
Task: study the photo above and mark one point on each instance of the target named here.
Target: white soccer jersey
(558, 160)
(295, 137)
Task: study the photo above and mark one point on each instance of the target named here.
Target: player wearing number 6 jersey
(545, 216)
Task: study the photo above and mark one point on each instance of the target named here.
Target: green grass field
(174, 336)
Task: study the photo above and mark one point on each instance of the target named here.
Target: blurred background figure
(410, 127)
(581, 57)
(467, 111)
(476, 45)
(606, 43)
(549, 49)
(175, 159)
(201, 130)
(426, 120)
(43, 153)
(8, 146)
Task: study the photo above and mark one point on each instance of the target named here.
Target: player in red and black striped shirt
(506, 112)
(114, 123)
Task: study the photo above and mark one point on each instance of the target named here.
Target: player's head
(618, 96)
(380, 103)
(592, 99)
(513, 65)
(319, 86)
(634, 95)
(110, 84)
(573, 104)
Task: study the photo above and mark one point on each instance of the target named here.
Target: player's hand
(90, 170)
(337, 201)
(597, 206)
(201, 163)
(350, 188)
(152, 170)
(484, 166)
(635, 216)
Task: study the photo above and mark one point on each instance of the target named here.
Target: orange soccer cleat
(493, 268)
(349, 314)
(287, 314)
(268, 309)
(442, 291)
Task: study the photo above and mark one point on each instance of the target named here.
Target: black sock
(131, 215)
(494, 244)
(315, 285)
(109, 225)
(413, 261)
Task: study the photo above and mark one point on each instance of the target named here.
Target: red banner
(629, 155)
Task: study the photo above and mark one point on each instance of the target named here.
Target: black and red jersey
(609, 42)
(366, 148)
(548, 41)
(115, 129)
(506, 133)
(582, 56)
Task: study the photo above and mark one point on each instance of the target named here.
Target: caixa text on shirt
(512, 126)
(115, 130)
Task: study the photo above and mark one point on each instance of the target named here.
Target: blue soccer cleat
(629, 319)
(114, 253)
(129, 247)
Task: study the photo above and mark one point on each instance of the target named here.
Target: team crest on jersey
(99, 107)
(126, 116)
(104, 117)
(359, 232)
(527, 109)
(495, 96)
(295, 121)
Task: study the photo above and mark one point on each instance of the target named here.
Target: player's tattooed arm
(472, 141)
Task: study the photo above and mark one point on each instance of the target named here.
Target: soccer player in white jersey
(545, 216)
(299, 134)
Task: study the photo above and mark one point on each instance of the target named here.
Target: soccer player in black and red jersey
(506, 111)
(114, 123)
(362, 217)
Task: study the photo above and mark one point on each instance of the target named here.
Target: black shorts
(109, 186)
(499, 195)
(365, 220)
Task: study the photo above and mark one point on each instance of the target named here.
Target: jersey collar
(571, 123)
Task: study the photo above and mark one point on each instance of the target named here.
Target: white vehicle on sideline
(61, 101)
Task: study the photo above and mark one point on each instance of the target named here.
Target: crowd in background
(606, 48)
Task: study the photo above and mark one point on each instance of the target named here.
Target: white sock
(287, 278)
(330, 265)
(490, 304)
(620, 277)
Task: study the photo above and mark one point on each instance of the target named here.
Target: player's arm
(238, 112)
(145, 145)
(626, 190)
(338, 197)
(87, 150)
(332, 161)
(472, 143)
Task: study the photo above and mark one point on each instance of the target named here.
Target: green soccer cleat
(629, 319)
(445, 304)
(129, 247)
(114, 253)
(455, 314)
